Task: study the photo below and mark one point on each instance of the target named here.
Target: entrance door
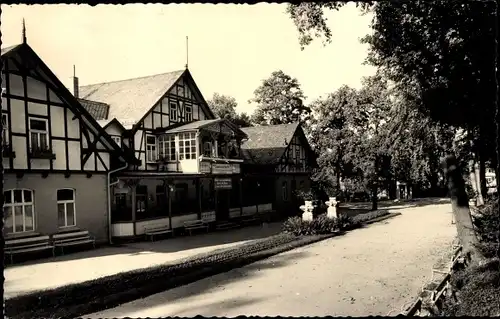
(222, 198)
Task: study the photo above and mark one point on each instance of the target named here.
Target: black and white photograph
(227, 159)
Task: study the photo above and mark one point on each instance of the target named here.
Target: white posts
(307, 208)
(332, 208)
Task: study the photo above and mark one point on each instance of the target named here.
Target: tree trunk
(497, 121)
(482, 168)
(374, 196)
(460, 207)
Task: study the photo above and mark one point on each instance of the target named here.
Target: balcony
(209, 146)
(42, 153)
(7, 151)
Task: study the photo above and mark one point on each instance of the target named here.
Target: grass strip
(110, 291)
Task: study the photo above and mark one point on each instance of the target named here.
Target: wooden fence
(433, 292)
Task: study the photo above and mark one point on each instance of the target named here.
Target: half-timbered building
(194, 166)
(56, 157)
(278, 159)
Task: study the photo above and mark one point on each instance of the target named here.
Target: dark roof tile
(266, 143)
(98, 110)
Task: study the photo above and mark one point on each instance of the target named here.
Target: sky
(232, 47)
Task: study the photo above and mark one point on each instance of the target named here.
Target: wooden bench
(72, 239)
(195, 224)
(249, 219)
(21, 245)
(151, 231)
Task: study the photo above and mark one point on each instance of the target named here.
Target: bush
(345, 222)
(318, 226)
(361, 218)
(478, 291)
(486, 222)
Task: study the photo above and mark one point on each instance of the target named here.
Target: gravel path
(368, 271)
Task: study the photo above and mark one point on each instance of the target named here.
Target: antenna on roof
(74, 70)
(187, 51)
(23, 32)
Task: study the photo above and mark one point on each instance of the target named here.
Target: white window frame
(188, 138)
(66, 203)
(5, 129)
(166, 143)
(23, 204)
(188, 109)
(151, 149)
(173, 110)
(117, 139)
(39, 132)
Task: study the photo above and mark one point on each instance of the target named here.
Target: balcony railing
(42, 153)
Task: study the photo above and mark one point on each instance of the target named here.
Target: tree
(224, 106)
(242, 120)
(441, 48)
(330, 131)
(280, 100)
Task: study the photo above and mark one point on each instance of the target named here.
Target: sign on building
(222, 168)
(223, 183)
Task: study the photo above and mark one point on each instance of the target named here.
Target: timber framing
(85, 133)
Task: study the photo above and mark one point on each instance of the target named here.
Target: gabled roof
(132, 98)
(25, 50)
(108, 122)
(267, 143)
(7, 49)
(98, 110)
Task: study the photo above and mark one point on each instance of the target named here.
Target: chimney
(75, 83)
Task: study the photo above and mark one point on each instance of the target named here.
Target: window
(19, 210)
(5, 130)
(166, 147)
(284, 191)
(38, 134)
(117, 139)
(141, 198)
(173, 111)
(207, 149)
(187, 146)
(66, 207)
(151, 148)
(189, 113)
(160, 196)
(181, 203)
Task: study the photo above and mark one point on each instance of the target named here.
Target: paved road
(368, 271)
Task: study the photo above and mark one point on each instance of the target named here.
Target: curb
(381, 218)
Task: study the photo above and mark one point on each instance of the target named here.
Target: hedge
(96, 295)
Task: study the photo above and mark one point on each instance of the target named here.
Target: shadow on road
(202, 288)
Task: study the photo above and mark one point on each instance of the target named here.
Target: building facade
(193, 165)
(56, 157)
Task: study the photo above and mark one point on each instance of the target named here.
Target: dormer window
(189, 113)
(174, 109)
(39, 137)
